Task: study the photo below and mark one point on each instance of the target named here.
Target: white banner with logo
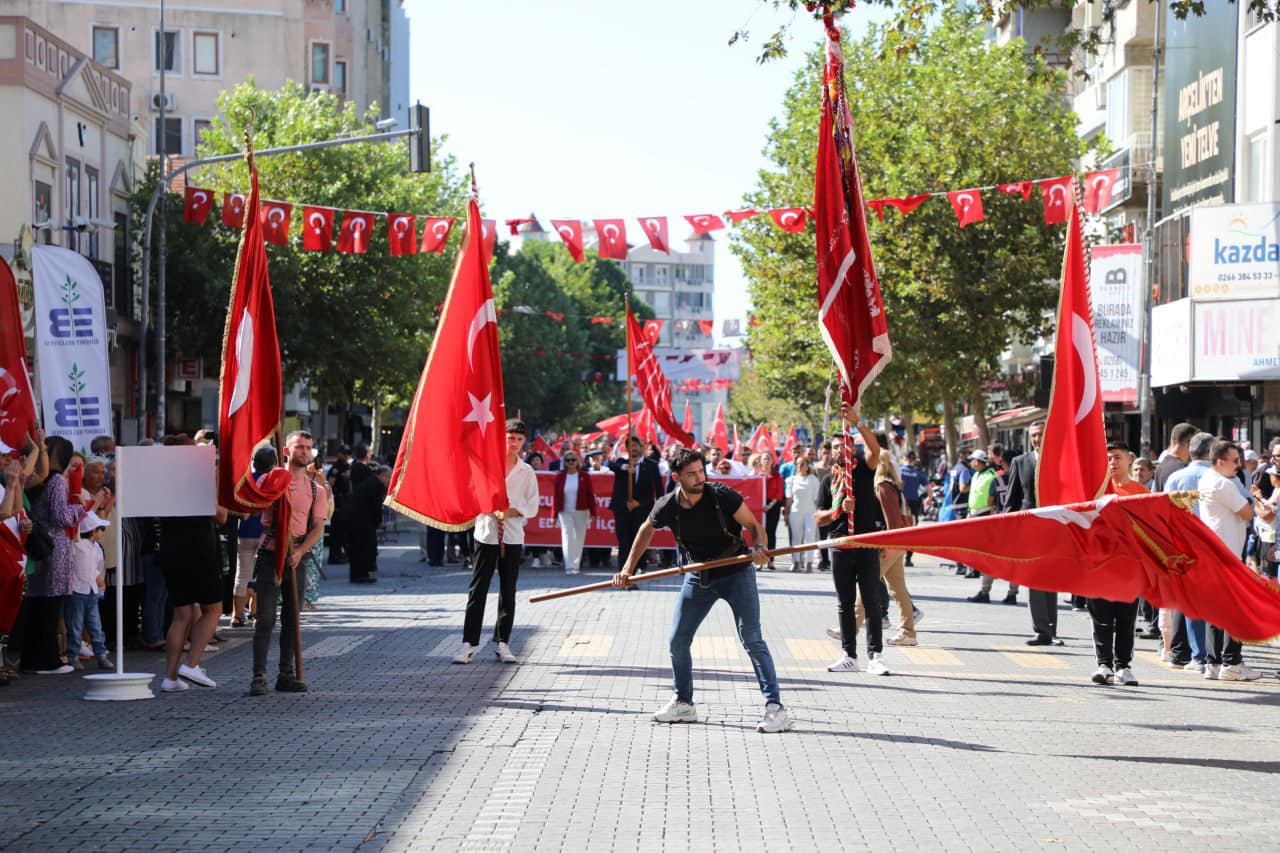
(1115, 284)
(1237, 341)
(1235, 252)
(1171, 343)
(71, 345)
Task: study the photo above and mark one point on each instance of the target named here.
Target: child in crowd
(88, 581)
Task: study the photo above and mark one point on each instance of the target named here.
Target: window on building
(660, 274)
(106, 46)
(638, 277)
(319, 63)
(693, 301)
(1117, 127)
(73, 187)
(166, 51)
(199, 127)
(171, 138)
(340, 6)
(1258, 167)
(91, 208)
(340, 76)
(43, 199)
(204, 53)
(662, 304)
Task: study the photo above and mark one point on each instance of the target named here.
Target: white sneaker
(1238, 672)
(877, 665)
(885, 624)
(1164, 655)
(916, 614)
(62, 670)
(1103, 675)
(196, 675)
(467, 655)
(86, 651)
(845, 664)
(834, 633)
(1125, 676)
(1211, 671)
(505, 654)
(177, 685)
(775, 719)
(901, 639)
(676, 711)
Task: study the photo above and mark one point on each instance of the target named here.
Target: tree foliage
(957, 112)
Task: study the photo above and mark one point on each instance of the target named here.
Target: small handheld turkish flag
(790, 219)
(317, 229)
(1057, 199)
(233, 209)
(356, 230)
(275, 222)
(402, 233)
(196, 205)
(655, 228)
(436, 233)
(968, 206)
(1073, 452)
(1097, 189)
(611, 237)
(570, 231)
(704, 223)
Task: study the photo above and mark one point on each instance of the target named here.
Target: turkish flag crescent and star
(435, 233)
(452, 464)
(275, 222)
(356, 230)
(317, 229)
(1073, 452)
(1097, 189)
(851, 313)
(1117, 548)
(233, 210)
(612, 238)
(402, 233)
(570, 231)
(1057, 199)
(196, 205)
(968, 206)
(655, 228)
(17, 401)
(652, 382)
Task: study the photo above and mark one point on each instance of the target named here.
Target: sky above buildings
(582, 109)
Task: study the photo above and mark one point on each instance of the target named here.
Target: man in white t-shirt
(1227, 513)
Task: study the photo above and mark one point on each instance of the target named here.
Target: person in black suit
(630, 509)
(1022, 496)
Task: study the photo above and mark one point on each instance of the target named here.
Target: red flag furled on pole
(1117, 548)
(452, 462)
(1073, 454)
(789, 446)
(17, 400)
(687, 423)
(652, 382)
(851, 313)
(720, 431)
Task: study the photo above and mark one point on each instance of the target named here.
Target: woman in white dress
(803, 488)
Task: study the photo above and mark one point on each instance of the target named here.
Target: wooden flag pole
(626, 441)
(692, 567)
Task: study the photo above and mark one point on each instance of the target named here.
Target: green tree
(957, 112)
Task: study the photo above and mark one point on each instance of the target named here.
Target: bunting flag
(275, 222)
(737, 217)
(17, 399)
(789, 446)
(1073, 453)
(1117, 548)
(402, 234)
(706, 326)
(514, 224)
(196, 205)
(611, 236)
(704, 223)
(353, 238)
(790, 219)
(233, 210)
(570, 231)
(1022, 188)
(435, 232)
(651, 382)
(317, 229)
(452, 463)
(968, 206)
(1097, 189)
(655, 228)
(720, 431)
(1057, 199)
(851, 310)
(904, 205)
(687, 423)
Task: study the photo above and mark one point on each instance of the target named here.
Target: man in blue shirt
(1187, 649)
(914, 483)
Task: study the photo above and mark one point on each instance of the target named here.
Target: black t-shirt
(340, 471)
(1166, 468)
(707, 530)
(867, 516)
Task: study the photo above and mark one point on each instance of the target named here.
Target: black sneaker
(1011, 598)
(286, 683)
(980, 597)
(258, 687)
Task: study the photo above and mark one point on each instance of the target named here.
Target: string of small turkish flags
(404, 237)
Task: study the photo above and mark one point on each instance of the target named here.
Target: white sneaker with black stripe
(845, 664)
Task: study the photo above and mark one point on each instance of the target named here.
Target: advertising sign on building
(1171, 343)
(71, 346)
(1235, 252)
(1236, 341)
(1115, 283)
(679, 365)
(1199, 119)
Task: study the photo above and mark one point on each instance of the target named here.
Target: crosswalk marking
(332, 647)
(812, 649)
(716, 647)
(929, 656)
(586, 646)
(1032, 660)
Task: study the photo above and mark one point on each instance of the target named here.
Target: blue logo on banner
(77, 413)
(71, 322)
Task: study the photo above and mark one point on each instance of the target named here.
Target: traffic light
(420, 143)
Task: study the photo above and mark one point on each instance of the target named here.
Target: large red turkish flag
(317, 229)
(196, 205)
(611, 238)
(233, 209)
(1117, 548)
(357, 228)
(655, 228)
(851, 311)
(652, 382)
(452, 464)
(17, 401)
(436, 233)
(1073, 453)
(570, 231)
(402, 234)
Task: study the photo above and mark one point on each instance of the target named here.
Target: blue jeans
(1195, 636)
(693, 605)
(153, 600)
(80, 611)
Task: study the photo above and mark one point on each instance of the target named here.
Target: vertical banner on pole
(1115, 276)
(71, 345)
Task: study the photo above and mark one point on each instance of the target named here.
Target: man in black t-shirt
(707, 519)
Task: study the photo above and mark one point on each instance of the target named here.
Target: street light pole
(1146, 405)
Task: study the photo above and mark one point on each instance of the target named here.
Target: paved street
(976, 742)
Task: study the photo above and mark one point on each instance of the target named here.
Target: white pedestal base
(119, 686)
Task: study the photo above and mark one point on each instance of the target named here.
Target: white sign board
(1171, 343)
(1115, 284)
(1236, 341)
(1235, 252)
(704, 365)
(163, 482)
